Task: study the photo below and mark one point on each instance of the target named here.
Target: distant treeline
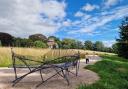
(41, 41)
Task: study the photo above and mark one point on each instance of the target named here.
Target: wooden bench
(61, 65)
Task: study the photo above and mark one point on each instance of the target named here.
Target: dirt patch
(84, 77)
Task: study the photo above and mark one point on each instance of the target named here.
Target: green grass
(113, 72)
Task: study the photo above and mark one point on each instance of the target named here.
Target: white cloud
(53, 9)
(109, 43)
(67, 23)
(79, 14)
(93, 23)
(86, 16)
(83, 15)
(26, 17)
(109, 3)
(89, 7)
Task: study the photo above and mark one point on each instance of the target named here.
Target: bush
(40, 44)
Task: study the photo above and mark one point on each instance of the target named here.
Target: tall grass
(38, 53)
(6, 58)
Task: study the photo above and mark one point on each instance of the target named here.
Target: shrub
(40, 44)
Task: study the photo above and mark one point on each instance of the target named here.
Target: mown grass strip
(113, 72)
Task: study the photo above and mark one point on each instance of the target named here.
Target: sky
(95, 20)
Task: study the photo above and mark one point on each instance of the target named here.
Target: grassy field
(38, 54)
(5, 54)
(113, 72)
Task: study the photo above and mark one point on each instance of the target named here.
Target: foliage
(68, 43)
(115, 48)
(79, 45)
(107, 49)
(71, 44)
(55, 38)
(20, 42)
(98, 46)
(36, 37)
(112, 71)
(122, 42)
(62, 44)
(88, 45)
(40, 44)
(6, 39)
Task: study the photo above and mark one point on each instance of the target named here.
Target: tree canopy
(40, 44)
(36, 37)
(98, 46)
(6, 39)
(122, 42)
(41, 41)
(88, 45)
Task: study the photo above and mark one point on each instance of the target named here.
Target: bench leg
(41, 75)
(65, 76)
(48, 78)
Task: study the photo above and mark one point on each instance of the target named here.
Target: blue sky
(78, 19)
(101, 10)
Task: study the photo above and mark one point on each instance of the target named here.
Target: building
(52, 44)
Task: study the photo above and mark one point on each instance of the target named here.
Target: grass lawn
(113, 72)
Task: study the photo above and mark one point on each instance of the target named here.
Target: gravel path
(84, 77)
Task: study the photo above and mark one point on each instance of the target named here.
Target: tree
(6, 39)
(88, 45)
(98, 46)
(122, 42)
(40, 44)
(23, 42)
(17, 42)
(115, 48)
(55, 38)
(107, 49)
(79, 45)
(37, 37)
(68, 43)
